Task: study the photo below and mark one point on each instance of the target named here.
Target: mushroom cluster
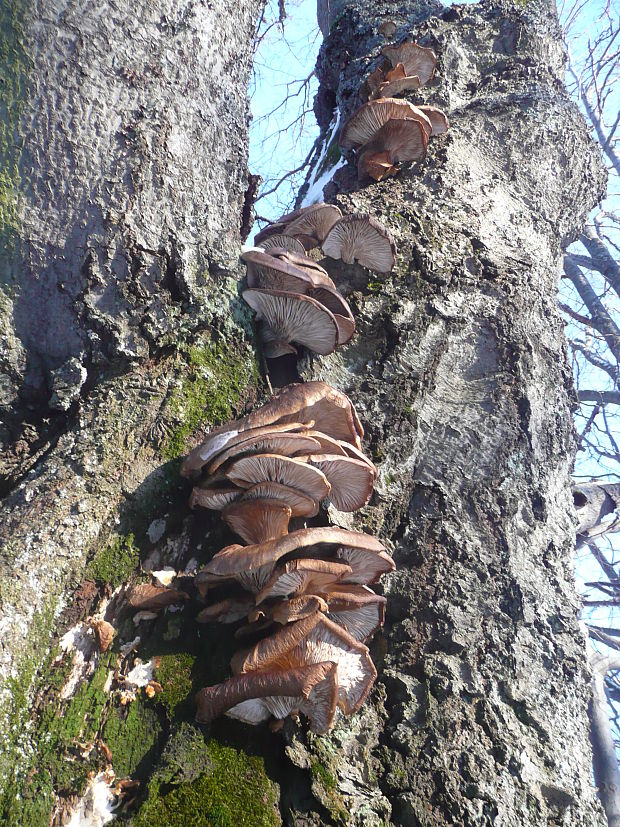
(386, 131)
(293, 296)
(304, 593)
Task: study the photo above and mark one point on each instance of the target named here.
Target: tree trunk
(460, 376)
(458, 371)
(124, 148)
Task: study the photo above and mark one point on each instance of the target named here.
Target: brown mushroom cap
(363, 239)
(287, 611)
(214, 498)
(317, 274)
(145, 596)
(272, 347)
(364, 123)
(295, 473)
(352, 451)
(257, 520)
(285, 242)
(368, 565)
(375, 79)
(438, 119)
(328, 444)
(397, 86)
(298, 576)
(417, 60)
(377, 165)
(359, 611)
(295, 318)
(234, 560)
(311, 689)
(301, 504)
(229, 610)
(351, 480)
(397, 140)
(273, 442)
(311, 640)
(309, 225)
(275, 273)
(312, 402)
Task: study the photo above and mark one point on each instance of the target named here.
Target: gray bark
(460, 375)
(605, 761)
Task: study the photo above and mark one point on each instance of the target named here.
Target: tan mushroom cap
(145, 596)
(275, 273)
(357, 609)
(438, 119)
(311, 689)
(364, 124)
(214, 498)
(285, 242)
(272, 442)
(287, 611)
(368, 565)
(229, 610)
(311, 402)
(309, 225)
(295, 473)
(375, 79)
(258, 520)
(328, 444)
(377, 165)
(417, 60)
(392, 88)
(295, 318)
(312, 640)
(299, 576)
(396, 141)
(363, 239)
(272, 347)
(301, 504)
(352, 480)
(237, 432)
(318, 275)
(237, 559)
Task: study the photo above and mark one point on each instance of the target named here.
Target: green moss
(132, 734)
(234, 791)
(55, 764)
(15, 68)
(174, 673)
(320, 774)
(220, 375)
(115, 563)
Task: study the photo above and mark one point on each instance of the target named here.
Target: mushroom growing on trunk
(362, 239)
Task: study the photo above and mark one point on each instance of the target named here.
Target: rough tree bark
(459, 373)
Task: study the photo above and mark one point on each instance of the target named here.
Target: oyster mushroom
(396, 141)
(311, 689)
(281, 241)
(285, 444)
(298, 576)
(438, 119)
(258, 520)
(309, 225)
(352, 480)
(366, 121)
(301, 504)
(312, 640)
(363, 239)
(295, 473)
(417, 60)
(295, 318)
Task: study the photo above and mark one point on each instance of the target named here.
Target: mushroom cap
(309, 225)
(244, 430)
(272, 348)
(295, 473)
(331, 299)
(363, 239)
(229, 610)
(417, 60)
(438, 119)
(311, 689)
(365, 122)
(145, 596)
(295, 318)
(397, 86)
(301, 504)
(318, 275)
(311, 402)
(275, 273)
(276, 442)
(375, 79)
(285, 242)
(368, 565)
(397, 140)
(360, 612)
(298, 576)
(328, 444)
(235, 559)
(312, 640)
(377, 165)
(258, 520)
(351, 480)
(214, 498)
(287, 611)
